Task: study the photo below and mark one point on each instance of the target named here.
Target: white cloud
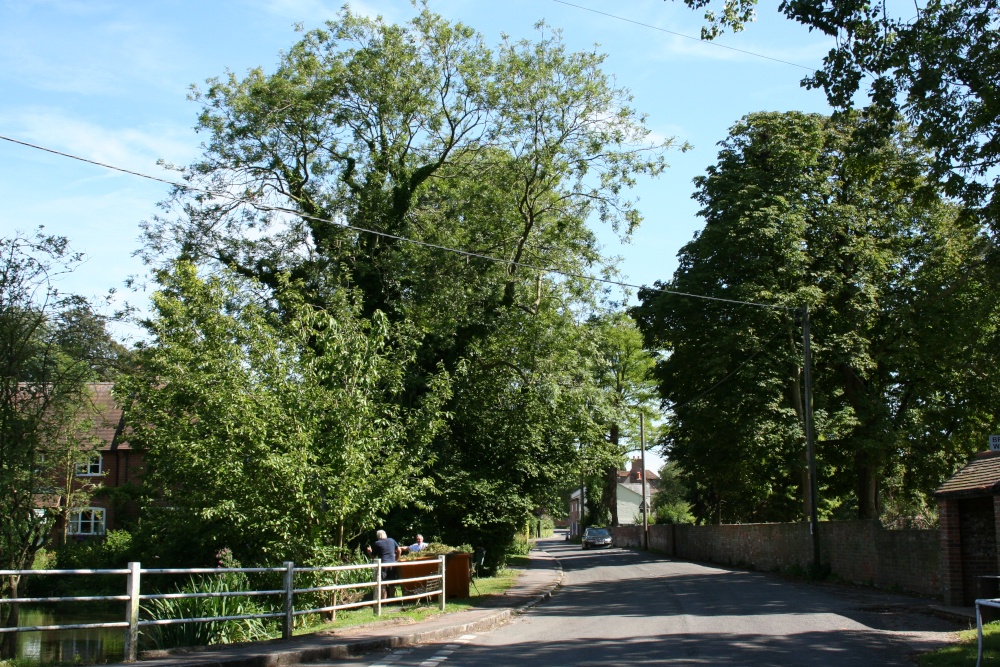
(136, 149)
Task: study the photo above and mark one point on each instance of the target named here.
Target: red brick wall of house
(121, 466)
(857, 551)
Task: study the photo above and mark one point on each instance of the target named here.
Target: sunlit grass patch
(963, 652)
(485, 588)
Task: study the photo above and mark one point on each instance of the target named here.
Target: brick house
(969, 509)
(112, 465)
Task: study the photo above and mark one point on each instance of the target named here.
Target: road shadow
(821, 649)
(694, 589)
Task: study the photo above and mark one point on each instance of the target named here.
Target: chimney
(636, 472)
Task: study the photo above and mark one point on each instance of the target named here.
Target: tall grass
(208, 632)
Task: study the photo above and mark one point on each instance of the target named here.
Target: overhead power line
(395, 237)
(678, 34)
(761, 349)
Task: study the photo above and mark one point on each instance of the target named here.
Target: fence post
(132, 613)
(378, 586)
(441, 560)
(289, 601)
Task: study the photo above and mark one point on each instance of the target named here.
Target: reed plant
(219, 605)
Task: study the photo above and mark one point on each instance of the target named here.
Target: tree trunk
(610, 495)
(8, 642)
(866, 486)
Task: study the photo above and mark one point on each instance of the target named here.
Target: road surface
(620, 607)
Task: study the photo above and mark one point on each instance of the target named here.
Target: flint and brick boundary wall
(860, 552)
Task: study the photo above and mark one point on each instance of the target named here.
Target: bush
(519, 547)
(678, 511)
(111, 553)
(45, 559)
(328, 557)
(437, 549)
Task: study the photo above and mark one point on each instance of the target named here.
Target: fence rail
(428, 586)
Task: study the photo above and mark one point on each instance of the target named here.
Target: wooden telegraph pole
(645, 505)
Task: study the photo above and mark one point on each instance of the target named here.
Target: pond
(71, 646)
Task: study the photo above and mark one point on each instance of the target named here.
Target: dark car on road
(596, 537)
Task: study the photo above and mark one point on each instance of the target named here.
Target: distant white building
(630, 485)
(629, 493)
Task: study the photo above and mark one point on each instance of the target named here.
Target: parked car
(596, 537)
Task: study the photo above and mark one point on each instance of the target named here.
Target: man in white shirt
(419, 545)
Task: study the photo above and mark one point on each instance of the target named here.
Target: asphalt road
(619, 607)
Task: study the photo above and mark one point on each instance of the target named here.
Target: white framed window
(87, 521)
(91, 467)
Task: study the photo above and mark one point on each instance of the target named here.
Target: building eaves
(981, 477)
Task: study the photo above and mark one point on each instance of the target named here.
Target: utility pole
(645, 507)
(810, 450)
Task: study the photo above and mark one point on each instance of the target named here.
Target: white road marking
(391, 658)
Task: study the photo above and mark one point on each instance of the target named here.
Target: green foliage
(117, 547)
(933, 68)
(209, 632)
(669, 502)
(112, 552)
(678, 511)
(45, 407)
(281, 437)
(327, 557)
(419, 131)
(791, 219)
(623, 369)
(520, 547)
(45, 559)
(438, 549)
(900, 511)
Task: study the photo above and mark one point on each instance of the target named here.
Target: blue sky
(108, 80)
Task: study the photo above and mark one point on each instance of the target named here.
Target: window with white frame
(91, 467)
(86, 521)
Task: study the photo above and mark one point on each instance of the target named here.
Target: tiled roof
(979, 478)
(108, 418)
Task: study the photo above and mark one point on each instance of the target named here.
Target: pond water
(71, 646)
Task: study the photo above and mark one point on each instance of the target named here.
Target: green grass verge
(485, 588)
(964, 651)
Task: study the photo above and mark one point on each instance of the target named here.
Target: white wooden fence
(423, 587)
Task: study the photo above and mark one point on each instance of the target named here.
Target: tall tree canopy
(624, 371)
(792, 218)
(382, 143)
(937, 63)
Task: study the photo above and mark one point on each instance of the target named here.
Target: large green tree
(274, 438)
(936, 63)
(624, 372)
(385, 144)
(792, 218)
